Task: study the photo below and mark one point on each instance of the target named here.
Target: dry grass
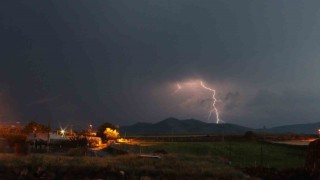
(169, 166)
(239, 154)
(196, 160)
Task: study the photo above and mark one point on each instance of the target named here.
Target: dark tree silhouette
(35, 127)
(102, 128)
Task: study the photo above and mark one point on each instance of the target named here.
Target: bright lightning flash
(213, 104)
(178, 88)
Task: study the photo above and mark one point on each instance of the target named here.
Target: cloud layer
(119, 61)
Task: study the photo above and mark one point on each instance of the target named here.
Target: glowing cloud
(178, 88)
(215, 110)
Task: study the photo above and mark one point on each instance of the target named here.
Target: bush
(112, 134)
(102, 128)
(73, 143)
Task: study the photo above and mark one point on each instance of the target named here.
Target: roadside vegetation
(124, 166)
(236, 154)
(233, 157)
(179, 160)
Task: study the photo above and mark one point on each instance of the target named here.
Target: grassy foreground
(238, 154)
(185, 160)
(125, 166)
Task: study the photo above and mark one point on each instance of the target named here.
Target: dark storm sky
(77, 62)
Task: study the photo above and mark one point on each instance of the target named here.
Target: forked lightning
(215, 110)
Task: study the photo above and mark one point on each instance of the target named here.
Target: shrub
(112, 134)
(73, 142)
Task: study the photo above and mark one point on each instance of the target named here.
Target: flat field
(179, 160)
(236, 154)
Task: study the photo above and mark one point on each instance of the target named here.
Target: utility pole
(261, 148)
(261, 156)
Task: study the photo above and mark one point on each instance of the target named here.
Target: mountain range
(307, 128)
(192, 126)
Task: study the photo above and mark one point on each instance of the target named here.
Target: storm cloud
(119, 61)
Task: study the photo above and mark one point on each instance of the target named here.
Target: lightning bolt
(214, 110)
(213, 104)
(178, 88)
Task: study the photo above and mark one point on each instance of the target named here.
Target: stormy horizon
(124, 62)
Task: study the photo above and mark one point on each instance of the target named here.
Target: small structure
(94, 141)
(51, 137)
(43, 139)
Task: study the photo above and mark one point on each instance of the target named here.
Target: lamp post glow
(62, 131)
(319, 132)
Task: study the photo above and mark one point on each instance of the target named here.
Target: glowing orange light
(111, 133)
(123, 140)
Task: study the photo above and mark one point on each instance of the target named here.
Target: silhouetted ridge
(188, 126)
(308, 128)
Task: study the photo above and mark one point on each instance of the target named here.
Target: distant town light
(62, 131)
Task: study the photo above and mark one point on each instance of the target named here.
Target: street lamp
(319, 132)
(62, 131)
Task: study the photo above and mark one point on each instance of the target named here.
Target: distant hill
(176, 126)
(308, 128)
(192, 126)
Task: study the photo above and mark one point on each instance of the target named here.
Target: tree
(102, 128)
(111, 134)
(35, 127)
